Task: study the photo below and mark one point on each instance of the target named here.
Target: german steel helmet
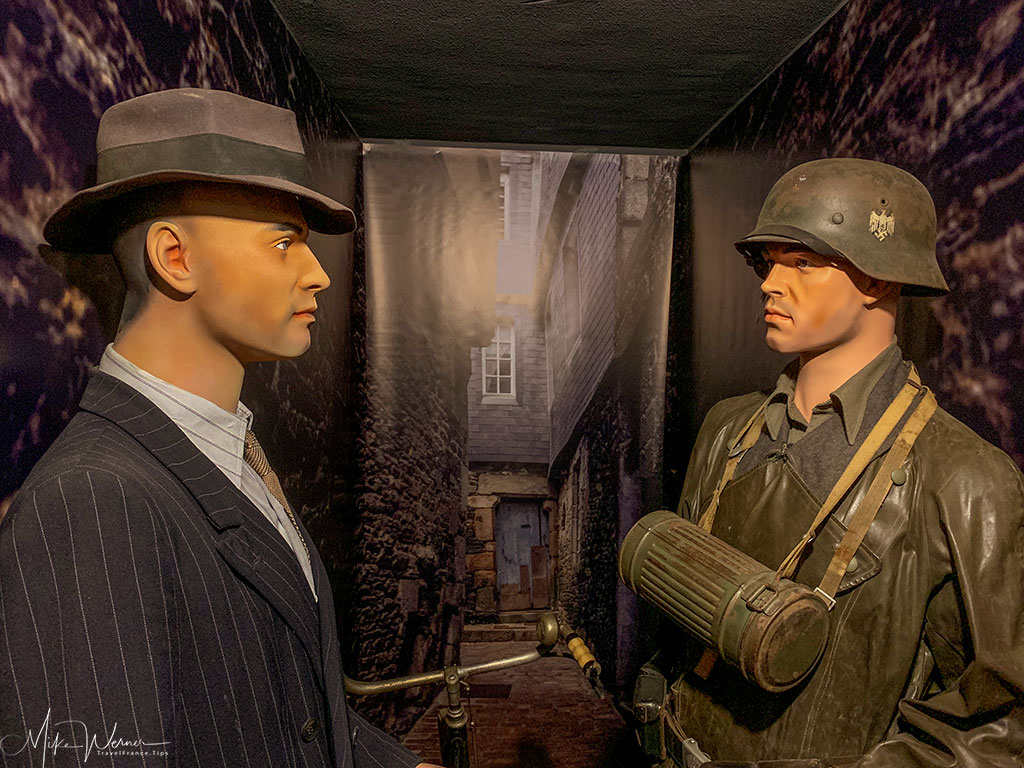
(876, 216)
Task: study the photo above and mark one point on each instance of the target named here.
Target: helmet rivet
(837, 218)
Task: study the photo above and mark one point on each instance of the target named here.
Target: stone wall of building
(577, 361)
(588, 517)
(610, 472)
(520, 209)
(553, 166)
(513, 429)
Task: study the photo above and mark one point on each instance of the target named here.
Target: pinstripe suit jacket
(144, 598)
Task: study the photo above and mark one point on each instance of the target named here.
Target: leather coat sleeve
(974, 628)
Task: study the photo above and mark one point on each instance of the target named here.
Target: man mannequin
(161, 603)
(924, 664)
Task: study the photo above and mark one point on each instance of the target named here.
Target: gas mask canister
(772, 629)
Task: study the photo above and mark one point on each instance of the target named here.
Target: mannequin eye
(802, 263)
(760, 265)
(283, 245)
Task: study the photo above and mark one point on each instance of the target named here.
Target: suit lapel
(252, 547)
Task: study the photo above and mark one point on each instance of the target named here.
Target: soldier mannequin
(158, 594)
(924, 664)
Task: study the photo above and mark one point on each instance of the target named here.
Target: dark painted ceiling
(566, 72)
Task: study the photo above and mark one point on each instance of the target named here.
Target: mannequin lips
(306, 314)
(772, 314)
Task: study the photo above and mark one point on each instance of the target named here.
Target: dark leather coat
(925, 661)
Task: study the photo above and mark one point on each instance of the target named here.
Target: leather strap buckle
(762, 599)
(830, 601)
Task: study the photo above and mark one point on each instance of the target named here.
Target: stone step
(522, 617)
(498, 633)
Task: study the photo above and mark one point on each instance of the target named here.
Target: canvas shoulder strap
(869, 506)
(872, 501)
(743, 442)
(865, 453)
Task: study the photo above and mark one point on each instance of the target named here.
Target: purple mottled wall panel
(936, 88)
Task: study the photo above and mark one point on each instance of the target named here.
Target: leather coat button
(899, 476)
(852, 565)
(310, 729)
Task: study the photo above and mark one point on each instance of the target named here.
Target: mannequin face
(812, 303)
(247, 274)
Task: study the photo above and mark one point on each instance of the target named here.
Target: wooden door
(522, 555)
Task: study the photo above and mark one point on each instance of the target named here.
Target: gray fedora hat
(190, 134)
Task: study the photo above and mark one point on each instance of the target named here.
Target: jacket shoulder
(965, 458)
(732, 409)
(92, 457)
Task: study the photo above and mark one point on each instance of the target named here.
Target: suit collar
(246, 540)
(218, 433)
(137, 415)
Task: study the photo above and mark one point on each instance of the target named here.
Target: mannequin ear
(169, 259)
(876, 291)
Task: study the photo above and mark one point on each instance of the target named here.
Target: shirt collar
(219, 434)
(849, 400)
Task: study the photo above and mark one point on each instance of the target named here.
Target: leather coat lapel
(244, 538)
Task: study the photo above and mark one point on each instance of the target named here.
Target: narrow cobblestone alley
(539, 715)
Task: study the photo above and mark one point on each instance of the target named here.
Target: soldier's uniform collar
(848, 400)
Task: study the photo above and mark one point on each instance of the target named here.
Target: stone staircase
(499, 633)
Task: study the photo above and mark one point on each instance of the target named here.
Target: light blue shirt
(220, 435)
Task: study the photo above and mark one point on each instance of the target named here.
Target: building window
(506, 209)
(571, 285)
(499, 363)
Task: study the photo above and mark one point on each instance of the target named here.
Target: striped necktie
(257, 459)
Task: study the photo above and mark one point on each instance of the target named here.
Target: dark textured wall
(936, 88)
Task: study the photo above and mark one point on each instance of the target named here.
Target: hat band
(206, 153)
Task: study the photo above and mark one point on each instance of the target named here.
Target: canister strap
(872, 501)
(882, 429)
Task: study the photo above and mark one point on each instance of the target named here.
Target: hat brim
(750, 247)
(78, 225)
(781, 233)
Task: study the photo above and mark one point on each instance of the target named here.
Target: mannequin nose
(315, 278)
(772, 284)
